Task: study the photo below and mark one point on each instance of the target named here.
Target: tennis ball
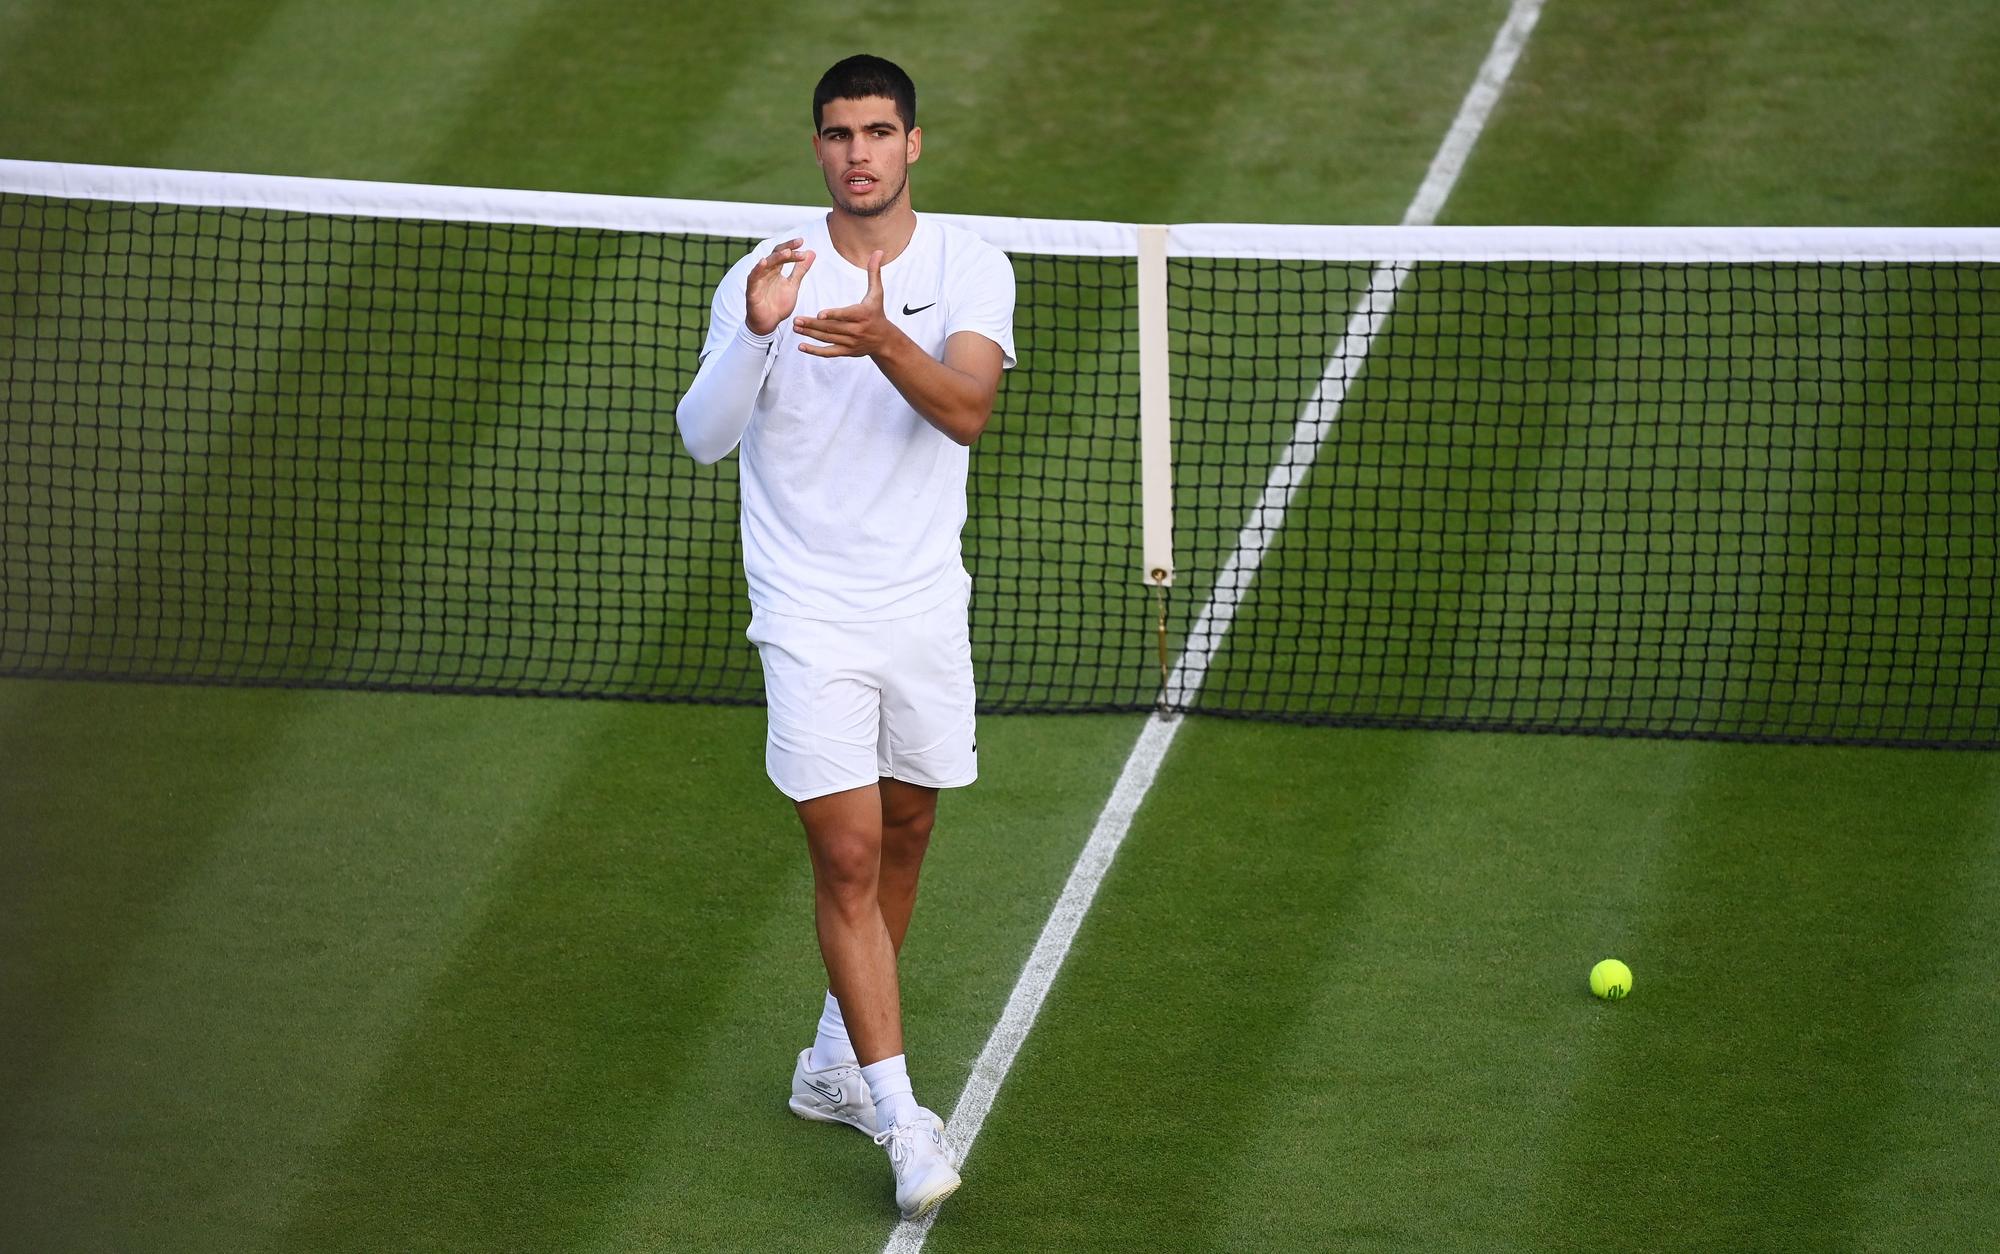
(1611, 979)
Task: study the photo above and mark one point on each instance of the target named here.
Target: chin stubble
(878, 210)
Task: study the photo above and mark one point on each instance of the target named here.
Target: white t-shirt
(852, 503)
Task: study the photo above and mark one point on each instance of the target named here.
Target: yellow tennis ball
(1611, 979)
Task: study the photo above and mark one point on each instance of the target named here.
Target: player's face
(865, 154)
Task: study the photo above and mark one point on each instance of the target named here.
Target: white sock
(831, 1048)
(889, 1083)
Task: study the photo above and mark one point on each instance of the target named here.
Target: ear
(914, 146)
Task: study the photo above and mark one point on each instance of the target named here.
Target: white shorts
(851, 703)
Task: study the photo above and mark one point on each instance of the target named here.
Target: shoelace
(907, 1132)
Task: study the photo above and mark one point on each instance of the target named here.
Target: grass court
(294, 970)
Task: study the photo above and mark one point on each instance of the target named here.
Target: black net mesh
(248, 446)
(1736, 501)
(245, 446)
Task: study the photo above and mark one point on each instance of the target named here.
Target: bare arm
(954, 395)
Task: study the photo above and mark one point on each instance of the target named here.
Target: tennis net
(1732, 484)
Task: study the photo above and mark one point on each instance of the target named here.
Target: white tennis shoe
(925, 1175)
(837, 1094)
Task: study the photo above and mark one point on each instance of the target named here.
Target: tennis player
(855, 361)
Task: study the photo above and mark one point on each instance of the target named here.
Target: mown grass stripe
(357, 109)
(1748, 1092)
(518, 1099)
(1442, 1041)
(106, 817)
(308, 912)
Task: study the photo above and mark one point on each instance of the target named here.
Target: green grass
(342, 971)
(1766, 113)
(351, 971)
(1374, 1029)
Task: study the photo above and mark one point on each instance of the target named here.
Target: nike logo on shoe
(832, 1095)
(907, 311)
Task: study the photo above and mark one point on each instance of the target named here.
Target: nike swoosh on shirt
(907, 311)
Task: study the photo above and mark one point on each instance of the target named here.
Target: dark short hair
(860, 76)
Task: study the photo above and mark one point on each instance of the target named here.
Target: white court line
(1473, 112)
(1143, 765)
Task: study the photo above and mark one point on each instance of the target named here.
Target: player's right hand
(772, 295)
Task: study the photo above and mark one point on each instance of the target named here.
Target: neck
(856, 237)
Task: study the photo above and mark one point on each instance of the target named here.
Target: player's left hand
(852, 330)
